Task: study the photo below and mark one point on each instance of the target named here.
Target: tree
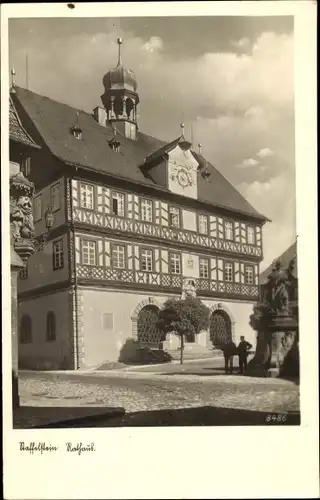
(182, 317)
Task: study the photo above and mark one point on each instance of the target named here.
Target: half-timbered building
(134, 218)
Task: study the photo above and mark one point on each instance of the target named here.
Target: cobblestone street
(159, 388)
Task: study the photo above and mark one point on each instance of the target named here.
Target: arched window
(51, 327)
(25, 330)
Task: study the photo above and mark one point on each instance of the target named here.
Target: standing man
(229, 350)
(243, 352)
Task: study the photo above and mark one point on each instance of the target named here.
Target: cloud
(242, 44)
(264, 152)
(153, 44)
(249, 162)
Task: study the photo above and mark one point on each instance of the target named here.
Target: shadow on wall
(41, 363)
(132, 352)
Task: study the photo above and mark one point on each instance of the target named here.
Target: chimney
(100, 115)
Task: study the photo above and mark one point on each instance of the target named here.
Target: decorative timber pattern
(164, 232)
(162, 280)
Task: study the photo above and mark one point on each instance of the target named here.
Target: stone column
(22, 246)
(16, 265)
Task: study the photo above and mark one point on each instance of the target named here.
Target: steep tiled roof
(285, 259)
(16, 131)
(53, 120)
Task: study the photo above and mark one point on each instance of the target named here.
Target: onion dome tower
(120, 98)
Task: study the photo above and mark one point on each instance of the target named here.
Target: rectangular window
(23, 274)
(174, 217)
(146, 260)
(118, 204)
(146, 210)
(250, 236)
(107, 321)
(89, 252)
(86, 196)
(204, 268)
(26, 166)
(228, 272)
(55, 197)
(228, 229)
(37, 206)
(249, 275)
(175, 263)
(57, 250)
(118, 256)
(203, 224)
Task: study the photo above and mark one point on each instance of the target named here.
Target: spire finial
(13, 74)
(200, 148)
(119, 42)
(182, 129)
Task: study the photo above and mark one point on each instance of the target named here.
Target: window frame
(55, 267)
(171, 254)
(253, 234)
(207, 219)
(56, 185)
(23, 339)
(89, 240)
(147, 249)
(26, 165)
(125, 259)
(87, 184)
(249, 266)
(51, 337)
(115, 192)
(225, 222)
(24, 273)
(228, 263)
(35, 199)
(207, 260)
(178, 209)
(141, 200)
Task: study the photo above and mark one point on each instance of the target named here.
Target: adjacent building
(135, 220)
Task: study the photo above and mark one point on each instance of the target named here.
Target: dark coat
(244, 348)
(229, 349)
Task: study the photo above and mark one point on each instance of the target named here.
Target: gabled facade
(135, 219)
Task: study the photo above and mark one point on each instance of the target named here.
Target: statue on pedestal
(275, 320)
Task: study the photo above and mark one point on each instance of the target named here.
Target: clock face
(183, 178)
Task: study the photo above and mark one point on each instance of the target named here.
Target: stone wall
(41, 354)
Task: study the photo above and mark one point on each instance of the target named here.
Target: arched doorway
(220, 328)
(147, 331)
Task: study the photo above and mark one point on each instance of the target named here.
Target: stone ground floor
(194, 385)
(87, 327)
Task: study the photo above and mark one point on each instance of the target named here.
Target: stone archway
(221, 325)
(144, 328)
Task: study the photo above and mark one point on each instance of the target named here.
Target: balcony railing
(163, 281)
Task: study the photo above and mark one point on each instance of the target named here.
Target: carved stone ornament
(21, 217)
(189, 289)
(275, 318)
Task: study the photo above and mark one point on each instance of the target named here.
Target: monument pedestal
(274, 346)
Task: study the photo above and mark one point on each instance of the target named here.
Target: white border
(213, 462)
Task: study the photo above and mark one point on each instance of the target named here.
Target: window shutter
(107, 255)
(99, 199)
(220, 229)
(220, 270)
(237, 272)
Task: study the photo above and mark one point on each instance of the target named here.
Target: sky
(229, 78)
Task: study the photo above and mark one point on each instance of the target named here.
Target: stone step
(196, 353)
